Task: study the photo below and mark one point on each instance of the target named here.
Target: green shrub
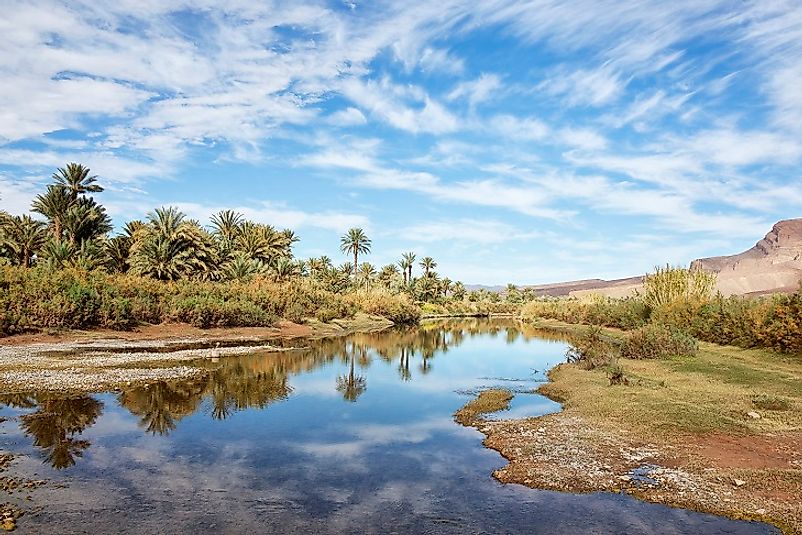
(592, 350)
(397, 307)
(770, 403)
(658, 342)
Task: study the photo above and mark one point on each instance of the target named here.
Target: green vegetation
(62, 268)
(713, 391)
(771, 322)
(657, 341)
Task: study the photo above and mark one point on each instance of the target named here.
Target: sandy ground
(92, 361)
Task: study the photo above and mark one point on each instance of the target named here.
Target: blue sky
(513, 141)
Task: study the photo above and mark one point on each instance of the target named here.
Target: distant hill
(774, 264)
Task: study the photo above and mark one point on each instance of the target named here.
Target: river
(349, 435)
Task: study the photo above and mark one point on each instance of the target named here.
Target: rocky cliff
(774, 264)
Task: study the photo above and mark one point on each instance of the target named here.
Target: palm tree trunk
(356, 263)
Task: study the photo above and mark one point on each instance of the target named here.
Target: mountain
(774, 264)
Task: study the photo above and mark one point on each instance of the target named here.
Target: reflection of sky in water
(393, 461)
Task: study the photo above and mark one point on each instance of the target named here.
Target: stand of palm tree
(71, 234)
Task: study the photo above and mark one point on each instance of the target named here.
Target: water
(352, 435)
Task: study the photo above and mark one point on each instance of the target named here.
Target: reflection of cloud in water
(306, 461)
(373, 434)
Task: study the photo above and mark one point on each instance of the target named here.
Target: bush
(592, 350)
(629, 313)
(773, 322)
(658, 342)
(615, 372)
(32, 299)
(398, 308)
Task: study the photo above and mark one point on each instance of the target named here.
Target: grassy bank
(730, 418)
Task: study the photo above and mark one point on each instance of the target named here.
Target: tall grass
(33, 299)
(771, 322)
(668, 285)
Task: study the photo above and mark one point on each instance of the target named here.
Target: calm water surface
(351, 435)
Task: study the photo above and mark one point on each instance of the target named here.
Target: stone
(753, 415)
(738, 482)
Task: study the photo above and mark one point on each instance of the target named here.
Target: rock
(625, 478)
(761, 511)
(753, 415)
(9, 524)
(738, 482)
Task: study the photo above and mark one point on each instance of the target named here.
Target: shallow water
(353, 435)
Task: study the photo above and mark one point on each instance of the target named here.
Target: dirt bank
(91, 361)
(719, 433)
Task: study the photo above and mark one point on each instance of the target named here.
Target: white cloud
(281, 216)
(482, 231)
(478, 90)
(407, 108)
(585, 87)
(348, 117)
(522, 128)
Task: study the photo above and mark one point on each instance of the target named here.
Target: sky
(513, 141)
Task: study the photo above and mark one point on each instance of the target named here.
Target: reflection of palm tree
(425, 366)
(160, 405)
(18, 401)
(351, 386)
(54, 426)
(235, 388)
(403, 365)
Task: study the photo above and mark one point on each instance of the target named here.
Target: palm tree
(367, 273)
(428, 264)
(85, 220)
(285, 269)
(458, 291)
(289, 238)
(446, 286)
(240, 267)
(54, 206)
(170, 247)
(118, 249)
(389, 274)
(355, 242)
(406, 264)
(76, 180)
(227, 224)
(346, 268)
(24, 237)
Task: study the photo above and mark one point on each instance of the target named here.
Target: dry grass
(487, 402)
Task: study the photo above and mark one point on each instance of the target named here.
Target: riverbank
(92, 361)
(720, 432)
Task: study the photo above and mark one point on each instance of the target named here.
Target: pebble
(753, 415)
(738, 482)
